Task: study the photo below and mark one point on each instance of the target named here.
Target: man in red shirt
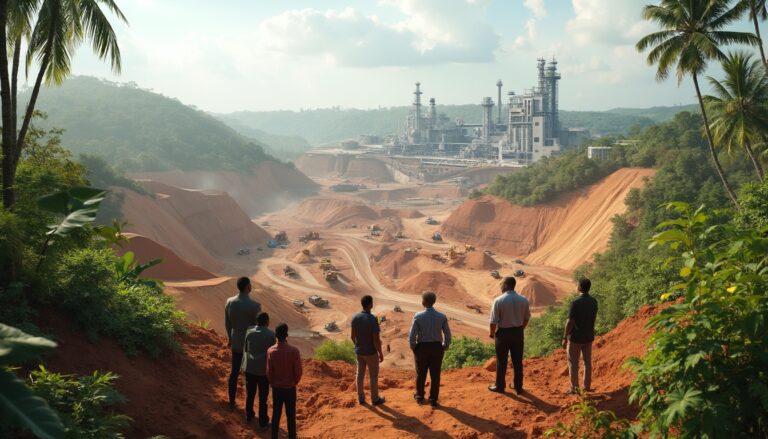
(284, 374)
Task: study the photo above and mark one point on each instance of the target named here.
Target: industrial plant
(524, 130)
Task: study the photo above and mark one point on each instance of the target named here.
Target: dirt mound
(333, 212)
(191, 221)
(270, 186)
(190, 388)
(203, 301)
(172, 268)
(398, 263)
(360, 169)
(564, 233)
(402, 213)
(476, 261)
(447, 287)
(316, 249)
(411, 193)
(386, 236)
(302, 258)
(538, 291)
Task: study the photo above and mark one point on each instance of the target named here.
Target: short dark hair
(281, 331)
(366, 301)
(242, 283)
(584, 285)
(262, 319)
(429, 298)
(509, 282)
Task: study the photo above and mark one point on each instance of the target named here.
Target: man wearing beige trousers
(579, 335)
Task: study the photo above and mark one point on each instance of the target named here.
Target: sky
(232, 55)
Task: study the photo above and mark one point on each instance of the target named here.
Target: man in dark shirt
(284, 373)
(257, 340)
(579, 334)
(365, 335)
(240, 313)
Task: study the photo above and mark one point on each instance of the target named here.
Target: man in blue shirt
(510, 315)
(429, 338)
(365, 335)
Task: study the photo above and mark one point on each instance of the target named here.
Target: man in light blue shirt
(429, 337)
(510, 315)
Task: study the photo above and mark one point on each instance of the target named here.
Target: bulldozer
(317, 300)
(331, 326)
(437, 236)
(289, 271)
(326, 264)
(495, 274)
(431, 221)
(519, 273)
(331, 275)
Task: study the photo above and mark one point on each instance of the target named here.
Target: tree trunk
(31, 107)
(8, 136)
(711, 143)
(755, 161)
(757, 32)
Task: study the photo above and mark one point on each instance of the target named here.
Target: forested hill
(330, 125)
(139, 130)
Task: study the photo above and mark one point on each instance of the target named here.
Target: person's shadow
(406, 423)
(530, 399)
(482, 425)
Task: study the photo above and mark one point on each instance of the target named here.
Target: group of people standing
(269, 361)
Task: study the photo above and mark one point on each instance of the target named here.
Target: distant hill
(284, 147)
(331, 125)
(657, 114)
(138, 130)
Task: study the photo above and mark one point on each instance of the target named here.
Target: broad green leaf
(17, 346)
(22, 407)
(680, 403)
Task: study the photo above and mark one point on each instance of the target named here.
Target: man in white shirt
(510, 315)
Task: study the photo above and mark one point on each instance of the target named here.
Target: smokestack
(499, 85)
(487, 104)
(417, 107)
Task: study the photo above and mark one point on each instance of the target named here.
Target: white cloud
(525, 42)
(536, 7)
(430, 32)
(606, 21)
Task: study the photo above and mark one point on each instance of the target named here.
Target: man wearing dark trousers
(240, 313)
(510, 315)
(429, 338)
(366, 336)
(284, 374)
(579, 335)
(258, 340)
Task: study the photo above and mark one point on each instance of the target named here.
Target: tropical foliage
(467, 351)
(332, 350)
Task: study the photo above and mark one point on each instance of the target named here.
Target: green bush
(753, 198)
(84, 403)
(544, 334)
(592, 423)
(331, 350)
(706, 371)
(467, 351)
(11, 246)
(137, 316)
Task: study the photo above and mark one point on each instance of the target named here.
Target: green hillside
(136, 129)
(331, 125)
(656, 114)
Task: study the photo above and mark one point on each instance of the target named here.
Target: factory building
(530, 131)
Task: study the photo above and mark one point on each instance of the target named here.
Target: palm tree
(53, 30)
(757, 11)
(691, 34)
(739, 106)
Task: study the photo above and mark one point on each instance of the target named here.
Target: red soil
(476, 261)
(172, 268)
(564, 233)
(269, 187)
(191, 223)
(399, 264)
(183, 395)
(343, 213)
(448, 288)
(537, 290)
(359, 169)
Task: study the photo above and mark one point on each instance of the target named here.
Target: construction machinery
(331, 326)
(431, 221)
(451, 253)
(495, 274)
(519, 273)
(374, 228)
(398, 309)
(309, 236)
(437, 236)
(399, 234)
(326, 264)
(331, 275)
(519, 262)
(468, 248)
(305, 252)
(298, 303)
(318, 301)
(272, 243)
(438, 257)
(243, 251)
(281, 237)
(289, 271)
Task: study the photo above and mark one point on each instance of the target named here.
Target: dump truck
(289, 271)
(437, 236)
(495, 274)
(317, 300)
(331, 275)
(298, 303)
(326, 264)
(281, 237)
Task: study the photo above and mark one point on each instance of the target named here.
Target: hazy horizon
(292, 55)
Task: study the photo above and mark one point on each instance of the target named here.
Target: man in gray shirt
(429, 338)
(510, 315)
(257, 340)
(240, 313)
(365, 335)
